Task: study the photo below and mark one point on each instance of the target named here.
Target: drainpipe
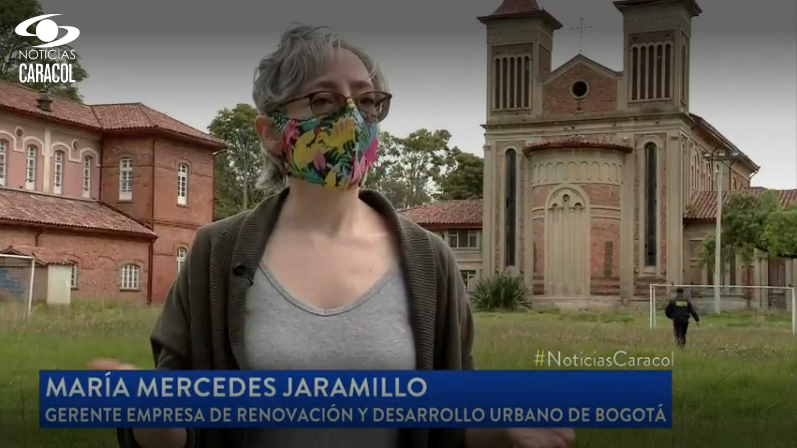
(102, 156)
(750, 179)
(151, 270)
(213, 194)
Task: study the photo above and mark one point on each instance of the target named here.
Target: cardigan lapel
(419, 266)
(250, 245)
(419, 269)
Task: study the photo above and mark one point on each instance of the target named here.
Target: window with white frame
(58, 181)
(469, 278)
(126, 179)
(30, 168)
(73, 281)
(181, 254)
(182, 184)
(87, 176)
(3, 158)
(130, 277)
(463, 239)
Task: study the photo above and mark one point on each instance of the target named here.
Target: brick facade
(99, 260)
(103, 230)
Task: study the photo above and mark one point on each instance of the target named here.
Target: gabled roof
(703, 204)
(29, 208)
(465, 212)
(581, 59)
(707, 130)
(105, 118)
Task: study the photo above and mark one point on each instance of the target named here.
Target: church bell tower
(519, 41)
(657, 52)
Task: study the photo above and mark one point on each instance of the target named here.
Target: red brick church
(115, 191)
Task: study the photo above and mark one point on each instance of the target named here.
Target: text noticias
(221, 387)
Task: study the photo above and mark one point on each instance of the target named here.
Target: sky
(191, 59)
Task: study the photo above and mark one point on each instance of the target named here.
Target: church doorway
(567, 240)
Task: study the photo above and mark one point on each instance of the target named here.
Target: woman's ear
(269, 137)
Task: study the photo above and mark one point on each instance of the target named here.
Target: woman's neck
(316, 209)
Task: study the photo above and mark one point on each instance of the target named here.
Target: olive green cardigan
(201, 326)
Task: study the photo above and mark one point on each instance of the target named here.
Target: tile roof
(469, 212)
(459, 212)
(511, 9)
(25, 207)
(703, 204)
(43, 255)
(103, 117)
(516, 7)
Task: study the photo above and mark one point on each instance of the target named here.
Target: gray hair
(301, 53)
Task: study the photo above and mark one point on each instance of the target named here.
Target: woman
(343, 283)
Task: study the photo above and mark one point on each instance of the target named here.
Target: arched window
(182, 184)
(3, 161)
(87, 176)
(30, 167)
(58, 174)
(131, 274)
(126, 179)
(511, 210)
(181, 254)
(73, 281)
(651, 204)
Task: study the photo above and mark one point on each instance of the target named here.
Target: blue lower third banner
(356, 399)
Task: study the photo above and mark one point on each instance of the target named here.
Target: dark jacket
(680, 309)
(201, 325)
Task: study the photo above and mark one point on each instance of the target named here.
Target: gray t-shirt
(373, 333)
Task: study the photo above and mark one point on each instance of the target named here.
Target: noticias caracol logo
(51, 65)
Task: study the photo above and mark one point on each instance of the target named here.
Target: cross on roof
(581, 28)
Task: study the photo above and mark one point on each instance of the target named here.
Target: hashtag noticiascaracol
(618, 359)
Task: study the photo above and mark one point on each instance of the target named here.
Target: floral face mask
(335, 151)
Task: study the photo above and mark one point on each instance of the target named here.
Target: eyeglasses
(374, 106)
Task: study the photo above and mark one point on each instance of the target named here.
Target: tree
(238, 168)
(755, 224)
(410, 169)
(12, 13)
(465, 180)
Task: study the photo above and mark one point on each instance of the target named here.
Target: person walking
(679, 310)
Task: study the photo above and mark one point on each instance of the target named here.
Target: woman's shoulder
(223, 225)
(442, 251)
(210, 234)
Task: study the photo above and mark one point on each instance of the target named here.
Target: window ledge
(130, 289)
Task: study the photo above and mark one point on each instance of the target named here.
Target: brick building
(116, 191)
(596, 181)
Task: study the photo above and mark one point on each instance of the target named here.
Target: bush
(503, 291)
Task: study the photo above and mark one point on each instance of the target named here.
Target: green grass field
(734, 386)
